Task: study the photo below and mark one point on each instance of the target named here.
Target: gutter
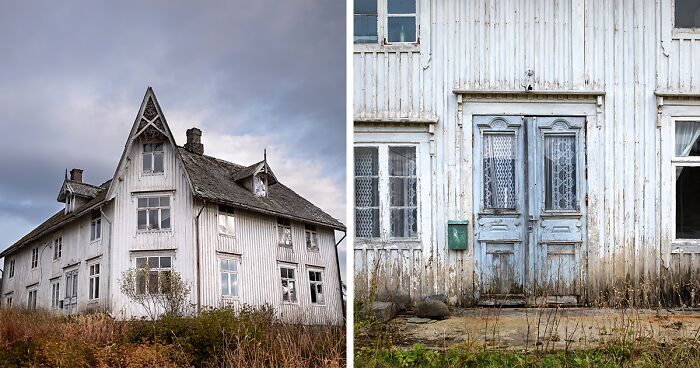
(196, 238)
(340, 280)
(109, 256)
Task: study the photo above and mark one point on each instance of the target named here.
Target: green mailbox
(457, 234)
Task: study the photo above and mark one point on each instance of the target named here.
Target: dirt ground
(549, 328)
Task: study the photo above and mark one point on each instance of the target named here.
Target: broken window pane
(560, 172)
(403, 192)
(499, 171)
(688, 202)
(687, 14)
(365, 21)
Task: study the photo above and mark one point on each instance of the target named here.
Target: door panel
(529, 191)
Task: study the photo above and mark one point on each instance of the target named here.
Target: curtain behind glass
(560, 172)
(499, 171)
(366, 192)
(403, 192)
(687, 133)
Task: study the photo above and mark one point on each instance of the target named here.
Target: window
(284, 232)
(226, 220)
(31, 299)
(687, 175)
(95, 226)
(153, 274)
(8, 301)
(259, 186)
(316, 284)
(71, 287)
(499, 171)
(35, 257)
(94, 282)
(403, 195)
(311, 236)
(367, 192)
(55, 294)
(152, 158)
(153, 213)
(57, 248)
(365, 21)
(687, 14)
(12, 269)
(289, 289)
(560, 172)
(385, 21)
(228, 271)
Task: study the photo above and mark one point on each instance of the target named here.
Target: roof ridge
(84, 183)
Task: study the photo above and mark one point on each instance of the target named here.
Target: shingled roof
(212, 179)
(79, 188)
(61, 218)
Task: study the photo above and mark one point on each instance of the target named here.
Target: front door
(529, 190)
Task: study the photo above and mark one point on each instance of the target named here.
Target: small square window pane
(366, 192)
(153, 202)
(365, 29)
(404, 222)
(365, 6)
(283, 272)
(158, 147)
(687, 138)
(143, 202)
(688, 202)
(401, 6)
(140, 262)
(142, 219)
(366, 161)
(367, 222)
(147, 147)
(165, 262)
(290, 273)
(401, 29)
(402, 161)
(403, 191)
(153, 262)
(687, 14)
(164, 219)
(158, 162)
(165, 201)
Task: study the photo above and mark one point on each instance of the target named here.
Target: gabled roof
(212, 180)
(60, 219)
(253, 169)
(82, 189)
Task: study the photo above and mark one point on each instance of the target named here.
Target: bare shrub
(156, 292)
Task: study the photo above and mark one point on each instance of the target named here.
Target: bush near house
(251, 337)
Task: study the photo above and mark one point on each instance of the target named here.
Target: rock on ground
(431, 309)
(383, 311)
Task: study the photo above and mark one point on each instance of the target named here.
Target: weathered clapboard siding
(607, 57)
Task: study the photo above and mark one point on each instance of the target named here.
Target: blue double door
(530, 203)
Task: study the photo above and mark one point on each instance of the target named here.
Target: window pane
(147, 162)
(153, 262)
(224, 283)
(222, 223)
(158, 162)
(366, 192)
(402, 161)
(164, 219)
(165, 281)
(366, 161)
(142, 219)
(97, 287)
(165, 262)
(143, 202)
(164, 201)
(560, 172)
(158, 147)
(283, 272)
(687, 138)
(499, 171)
(367, 222)
(401, 6)
(401, 29)
(233, 266)
(404, 222)
(140, 262)
(688, 202)
(147, 148)
(153, 282)
(153, 219)
(313, 293)
(234, 284)
(365, 29)
(403, 191)
(153, 202)
(365, 6)
(687, 14)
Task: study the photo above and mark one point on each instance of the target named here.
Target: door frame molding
(592, 109)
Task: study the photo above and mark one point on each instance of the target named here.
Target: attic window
(153, 158)
(226, 220)
(260, 186)
(284, 232)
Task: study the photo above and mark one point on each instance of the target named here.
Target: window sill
(392, 47)
(313, 250)
(285, 246)
(291, 303)
(95, 241)
(685, 34)
(153, 231)
(228, 236)
(153, 174)
(318, 305)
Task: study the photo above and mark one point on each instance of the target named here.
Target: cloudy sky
(250, 74)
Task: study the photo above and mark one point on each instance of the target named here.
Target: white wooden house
(235, 234)
(561, 135)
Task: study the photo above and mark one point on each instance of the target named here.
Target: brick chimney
(76, 175)
(194, 141)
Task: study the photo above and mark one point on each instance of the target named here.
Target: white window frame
(55, 293)
(34, 261)
(57, 248)
(227, 214)
(158, 208)
(315, 284)
(676, 162)
(237, 261)
(383, 33)
(286, 224)
(384, 192)
(31, 298)
(158, 269)
(295, 280)
(311, 233)
(71, 288)
(96, 228)
(94, 270)
(12, 269)
(153, 157)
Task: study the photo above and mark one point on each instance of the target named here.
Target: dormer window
(152, 158)
(260, 186)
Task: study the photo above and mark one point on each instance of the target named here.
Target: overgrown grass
(216, 338)
(680, 354)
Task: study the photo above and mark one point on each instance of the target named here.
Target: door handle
(530, 222)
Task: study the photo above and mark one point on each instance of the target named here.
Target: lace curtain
(366, 192)
(687, 134)
(403, 192)
(560, 172)
(499, 171)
